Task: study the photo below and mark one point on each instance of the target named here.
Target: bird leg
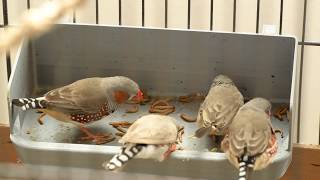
(40, 119)
(96, 138)
(172, 148)
(273, 146)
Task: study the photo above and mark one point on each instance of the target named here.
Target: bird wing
(221, 105)
(250, 129)
(83, 96)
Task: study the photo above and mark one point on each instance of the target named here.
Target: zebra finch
(84, 101)
(150, 137)
(251, 141)
(219, 108)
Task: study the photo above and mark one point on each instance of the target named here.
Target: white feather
(153, 152)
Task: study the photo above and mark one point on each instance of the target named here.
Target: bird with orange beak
(84, 101)
(149, 137)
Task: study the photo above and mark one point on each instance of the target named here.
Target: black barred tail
(30, 103)
(245, 162)
(127, 153)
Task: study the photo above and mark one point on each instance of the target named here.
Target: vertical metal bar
(301, 65)
(281, 16)
(28, 4)
(142, 12)
(319, 129)
(234, 15)
(189, 13)
(6, 22)
(97, 11)
(74, 16)
(166, 13)
(5, 12)
(120, 22)
(258, 16)
(211, 15)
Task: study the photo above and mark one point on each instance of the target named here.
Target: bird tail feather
(245, 163)
(30, 103)
(127, 153)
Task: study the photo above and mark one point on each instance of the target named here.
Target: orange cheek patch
(121, 96)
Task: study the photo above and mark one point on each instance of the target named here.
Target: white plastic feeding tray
(165, 63)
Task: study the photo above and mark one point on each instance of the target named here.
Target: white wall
(200, 19)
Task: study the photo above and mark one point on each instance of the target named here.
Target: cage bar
(189, 13)
(166, 14)
(301, 65)
(6, 23)
(28, 4)
(234, 15)
(258, 16)
(281, 17)
(142, 11)
(97, 11)
(211, 15)
(120, 18)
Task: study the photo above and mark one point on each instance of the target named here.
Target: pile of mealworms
(162, 107)
(191, 97)
(281, 111)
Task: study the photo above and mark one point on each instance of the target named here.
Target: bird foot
(273, 146)
(171, 149)
(98, 138)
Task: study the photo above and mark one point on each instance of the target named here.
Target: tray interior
(59, 132)
(163, 62)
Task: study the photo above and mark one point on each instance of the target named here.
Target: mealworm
(106, 141)
(162, 107)
(191, 97)
(280, 112)
(120, 129)
(120, 123)
(188, 118)
(119, 134)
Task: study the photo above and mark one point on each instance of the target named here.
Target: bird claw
(274, 146)
(171, 149)
(98, 138)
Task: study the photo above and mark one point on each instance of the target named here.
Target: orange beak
(139, 96)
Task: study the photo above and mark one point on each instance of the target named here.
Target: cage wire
(301, 43)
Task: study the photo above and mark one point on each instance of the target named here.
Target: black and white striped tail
(245, 162)
(126, 154)
(30, 103)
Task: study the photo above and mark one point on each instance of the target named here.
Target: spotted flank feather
(30, 103)
(91, 117)
(245, 162)
(127, 153)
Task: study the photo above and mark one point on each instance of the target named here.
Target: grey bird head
(260, 103)
(222, 79)
(124, 84)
